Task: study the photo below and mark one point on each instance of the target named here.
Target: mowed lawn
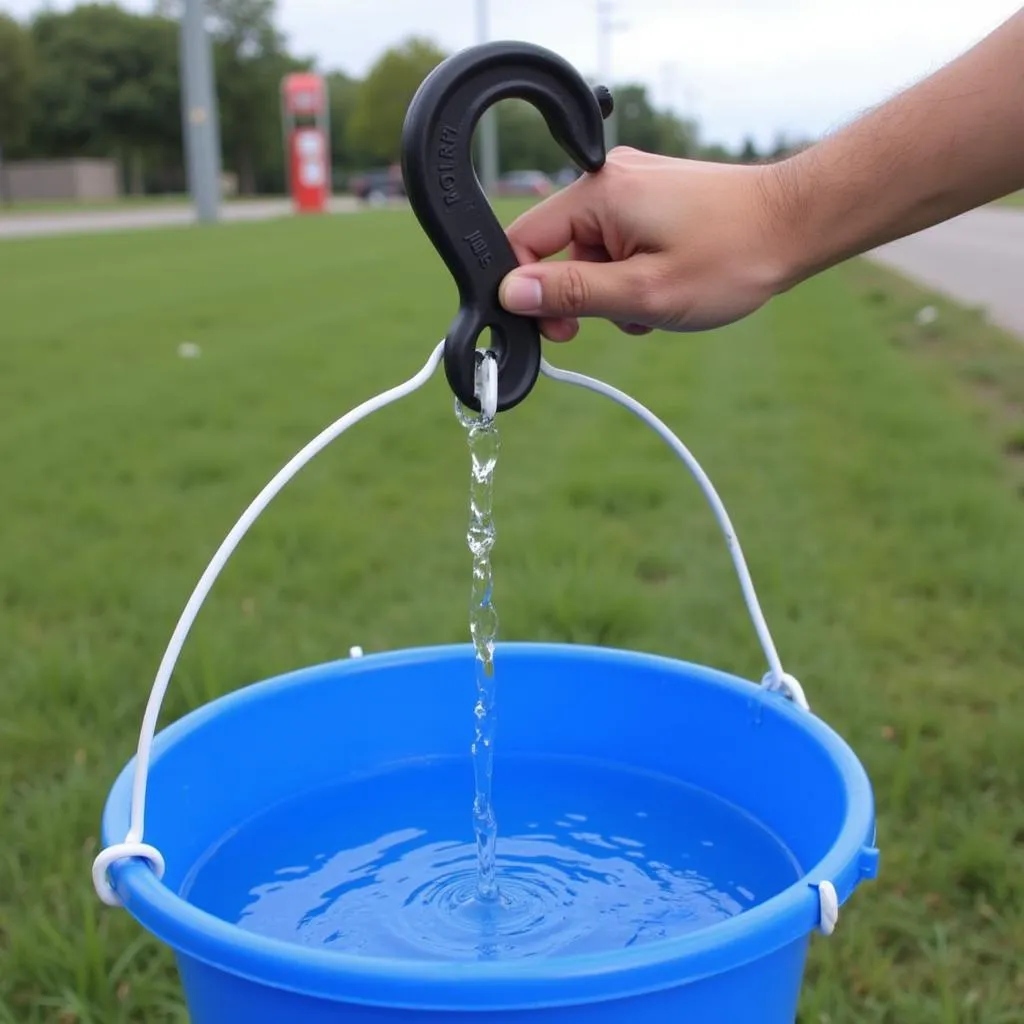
(872, 469)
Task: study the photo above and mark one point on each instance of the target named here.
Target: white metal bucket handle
(775, 678)
(133, 845)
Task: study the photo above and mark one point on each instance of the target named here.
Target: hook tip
(604, 100)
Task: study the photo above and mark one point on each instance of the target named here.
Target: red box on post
(304, 116)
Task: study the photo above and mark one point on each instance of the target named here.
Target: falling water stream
(484, 443)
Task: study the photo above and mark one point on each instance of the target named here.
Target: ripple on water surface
(591, 858)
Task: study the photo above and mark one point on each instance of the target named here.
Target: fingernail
(521, 295)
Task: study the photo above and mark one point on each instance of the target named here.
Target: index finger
(567, 216)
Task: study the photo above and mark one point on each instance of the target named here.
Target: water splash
(484, 444)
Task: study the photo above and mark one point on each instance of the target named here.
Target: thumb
(574, 288)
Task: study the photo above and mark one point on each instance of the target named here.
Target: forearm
(948, 144)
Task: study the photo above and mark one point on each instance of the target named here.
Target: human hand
(652, 242)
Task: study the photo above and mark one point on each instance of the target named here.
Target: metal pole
(605, 27)
(325, 127)
(286, 127)
(199, 112)
(668, 71)
(489, 121)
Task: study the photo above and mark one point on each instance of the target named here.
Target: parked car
(379, 185)
(524, 183)
(566, 176)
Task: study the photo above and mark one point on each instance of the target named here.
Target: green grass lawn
(873, 470)
(1015, 199)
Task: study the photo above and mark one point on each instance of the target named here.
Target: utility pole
(489, 121)
(606, 25)
(199, 112)
(668, 72)
(688, 109)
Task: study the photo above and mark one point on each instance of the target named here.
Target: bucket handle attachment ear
(449, 203)
(133, 847)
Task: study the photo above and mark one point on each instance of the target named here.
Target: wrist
(788, 222)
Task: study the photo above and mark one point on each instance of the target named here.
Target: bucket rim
(789, 916)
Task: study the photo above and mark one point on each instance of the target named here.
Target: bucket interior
(645, 807)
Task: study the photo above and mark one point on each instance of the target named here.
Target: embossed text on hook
(446, 165)
(479, 247)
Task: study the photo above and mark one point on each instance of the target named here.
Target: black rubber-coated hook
(446, 196)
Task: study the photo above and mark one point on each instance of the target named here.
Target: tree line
(99, 80)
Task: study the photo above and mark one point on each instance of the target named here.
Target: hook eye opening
(490, 339)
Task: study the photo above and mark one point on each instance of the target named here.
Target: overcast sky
(740, 66)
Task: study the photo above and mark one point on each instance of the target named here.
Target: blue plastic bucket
(352, 721)
(670, 836)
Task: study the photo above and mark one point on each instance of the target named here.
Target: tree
(637, 122)
(106, 84)
(143, 109)
(250, 58)
(375, 127)
(716, 153)
(749, 154)
(15, 90)
(341, 96)
(784, 146)
(525, 142)
(677, 137)
(643, 127)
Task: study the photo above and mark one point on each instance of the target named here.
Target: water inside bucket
(594, 858)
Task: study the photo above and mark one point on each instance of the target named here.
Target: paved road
(977, 259)
(79, 221)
